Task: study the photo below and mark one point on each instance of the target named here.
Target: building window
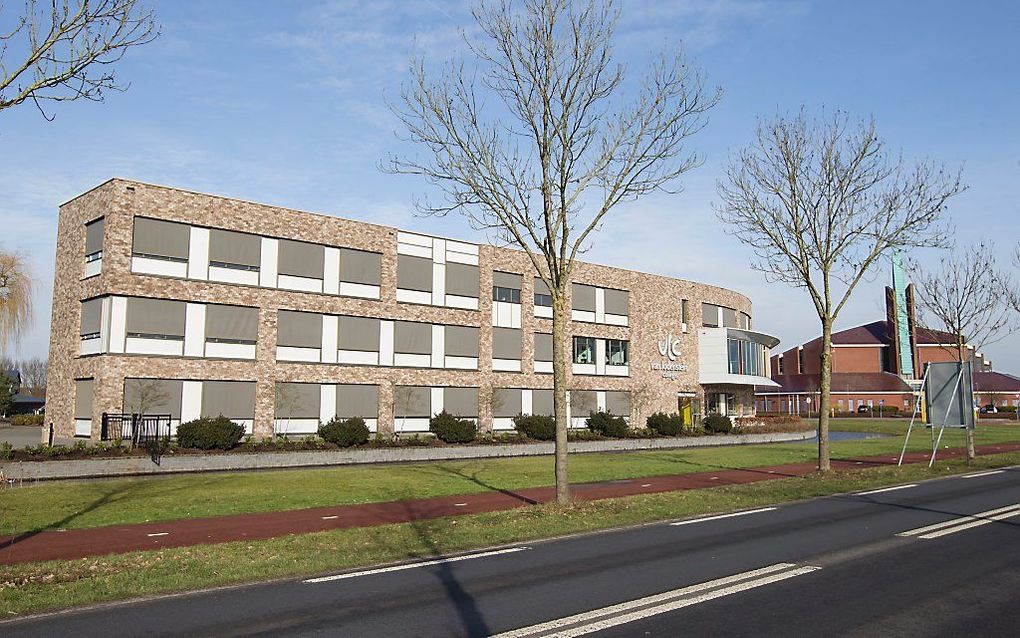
(506, 343)
(298, 329)
(800, 360)
(582, 299)
(155, 319)
(506, 287)
(91, 319)
(159, 239)
(779, 364)
(462, 280)
(414, 273)
(745, 357)
(239, 251)
(543, 347)
(744, 321)
(685, 312)
(360, 267)
(617, 302)
(231, 324)
(94, 239)
(543, 297)
(584, 349)
(301, 259)
(709, 315)
(617, 352)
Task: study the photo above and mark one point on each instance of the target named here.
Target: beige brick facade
(655, 309)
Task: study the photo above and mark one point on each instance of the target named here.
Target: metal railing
(149, 431)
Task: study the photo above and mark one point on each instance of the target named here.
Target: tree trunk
(561, 379)
(824, 397)
(968, 433)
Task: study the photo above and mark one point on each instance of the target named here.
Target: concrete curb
(135, 466)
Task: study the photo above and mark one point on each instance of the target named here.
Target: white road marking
(962, 523)
(158, 534)
(715, 518)
(426, 563)
(646, 485)
(612, 616)
(459, 504)
(329, 518)
(714, 478)
(887, 489)
(980, 474)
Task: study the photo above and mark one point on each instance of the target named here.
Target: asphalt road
(938, 558)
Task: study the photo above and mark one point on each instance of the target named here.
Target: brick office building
(174, 302)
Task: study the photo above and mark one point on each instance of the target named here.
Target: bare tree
(534, 145)
(15, 297)
(33, 374)
(972, 299)
(820, 202)
(287, 401)
(62, 50)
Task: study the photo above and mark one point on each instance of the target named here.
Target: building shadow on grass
(109, 497)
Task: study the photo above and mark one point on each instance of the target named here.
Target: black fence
(149, 431)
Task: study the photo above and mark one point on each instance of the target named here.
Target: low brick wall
(135, 466)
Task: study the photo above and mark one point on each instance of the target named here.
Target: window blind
(155, 318)
(461, 279)
(297, 400)
(230, 248)
(412, 401)
(301, 259)
(414, 273)
(582, 402)
(461, 341)
(583, 298)
(543, 347)
(617, 302)
(359, 333)
(153, 396)
(360, 267)
(506, 280)
(161, 239)
(412, 338)
(91, 317)
(94, 236)
(298, 329)
(231, 324)
(542, 402)
(506, 402)
(506, 343)
(357, 400)
(462, 402)
(83, 398)
(618, 403)
(232, 399)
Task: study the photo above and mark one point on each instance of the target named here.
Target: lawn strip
(58, 584)
(78, 504)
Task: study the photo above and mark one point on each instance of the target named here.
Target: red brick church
(871, 367)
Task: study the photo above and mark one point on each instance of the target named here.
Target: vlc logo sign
(669, 347)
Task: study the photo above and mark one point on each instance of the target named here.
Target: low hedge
(536, 426)
(27, 419)
(345, 432)
(452, 429)
(219, 433)
(607, 424)
(718, 424)
(666, 424)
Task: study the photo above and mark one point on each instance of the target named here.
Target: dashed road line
(426, 563)
(615, 615)
(980, 474)
(720, 516)
(329, 518)
(887, 489)
(962, 523)
(158, 534)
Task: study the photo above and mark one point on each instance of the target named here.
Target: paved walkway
(97, 541)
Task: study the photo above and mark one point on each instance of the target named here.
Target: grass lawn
(41, 586)
(75, 504)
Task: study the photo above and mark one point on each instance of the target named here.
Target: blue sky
(284, 103)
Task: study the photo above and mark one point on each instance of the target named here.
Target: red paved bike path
(97, 541)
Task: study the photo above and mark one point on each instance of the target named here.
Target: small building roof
(996, 382)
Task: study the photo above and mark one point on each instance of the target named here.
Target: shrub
(718, 424)
(218, 433)
(607, 424)
(536, 426)
(6, 451)
(452, 429)
(345, 432)
(666, 424)
(27, 419)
